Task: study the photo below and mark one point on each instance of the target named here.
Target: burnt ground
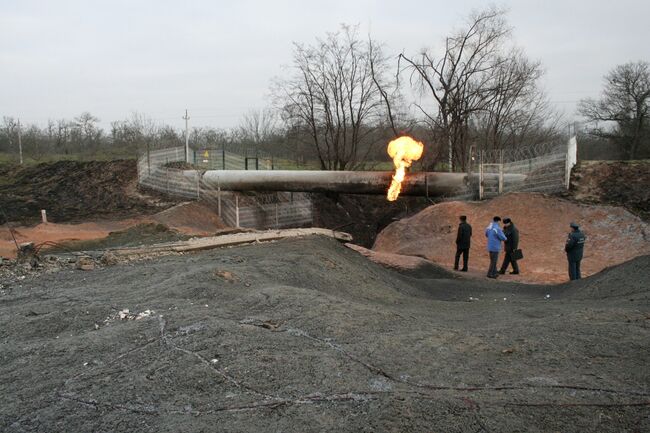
(307, 335)
(363, 216)
(74, 191)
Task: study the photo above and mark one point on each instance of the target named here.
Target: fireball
(404, 150)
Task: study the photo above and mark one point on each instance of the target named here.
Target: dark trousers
(494, 258)
(509, 259)
(574, 270)
(465, 253)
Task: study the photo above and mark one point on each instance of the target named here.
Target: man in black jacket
(574, 247)
(463, 242)
(510, 245)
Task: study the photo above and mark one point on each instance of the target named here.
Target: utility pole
(187, 138)
(451, 156)
(20, 144)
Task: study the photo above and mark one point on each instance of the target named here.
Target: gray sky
(61, 57)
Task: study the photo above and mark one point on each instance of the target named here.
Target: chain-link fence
(545, 167)
(252, 210)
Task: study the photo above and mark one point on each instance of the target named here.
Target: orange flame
(404, 150)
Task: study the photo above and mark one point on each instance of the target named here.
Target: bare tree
(137, 133)
(85, 130)
(62, 135)
(460, 80)
(258, 126)
(9, 131)
(333, 98)
(518, 110)
(624, 102)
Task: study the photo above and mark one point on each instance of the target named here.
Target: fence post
(277, 225)
(219, 198)
(501, 178)
(223, 158)
(567, 171)
(198, 185)
(237, 210)
(480, 179)
(501, 172)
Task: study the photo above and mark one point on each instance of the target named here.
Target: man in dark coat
(509, 246)
(574, 247)
(463, 243)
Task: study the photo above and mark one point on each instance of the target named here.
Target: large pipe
(353, 182)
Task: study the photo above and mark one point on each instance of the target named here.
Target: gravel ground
(307, 335)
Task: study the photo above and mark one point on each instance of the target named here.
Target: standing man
(574, 247)
(509, 247)
(463, 242)
(494, 236)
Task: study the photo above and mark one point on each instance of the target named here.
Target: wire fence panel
(261, 211)
(545, 167)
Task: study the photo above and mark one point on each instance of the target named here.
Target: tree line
(343, 98)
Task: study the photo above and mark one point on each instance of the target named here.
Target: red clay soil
(614, 235)
(187, 218)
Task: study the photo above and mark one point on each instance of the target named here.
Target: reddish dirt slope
(614, 235)
(189, 218)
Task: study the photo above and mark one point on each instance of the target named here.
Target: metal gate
(490, 180)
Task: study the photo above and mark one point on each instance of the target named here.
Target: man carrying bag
(511, 247)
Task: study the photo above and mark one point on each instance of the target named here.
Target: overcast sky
(216, 58)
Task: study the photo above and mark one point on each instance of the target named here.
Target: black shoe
(463, 270)
(514, 273)
(502, 272)
(493, 276)
(455, 269)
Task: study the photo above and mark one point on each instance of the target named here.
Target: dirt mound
(621, 183)
(306, 335)
(613, 234)
(628, 280)
(191, 218)
(73, 191)
(140, 234)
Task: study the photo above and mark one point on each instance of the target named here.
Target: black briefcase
(517, 254)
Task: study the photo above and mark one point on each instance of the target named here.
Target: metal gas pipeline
(431, 184)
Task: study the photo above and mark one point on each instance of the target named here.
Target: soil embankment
(619, 183)
(74, 191)
(614, 235)
(306, 335)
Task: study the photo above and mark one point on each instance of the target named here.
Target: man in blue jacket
(494, 236)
